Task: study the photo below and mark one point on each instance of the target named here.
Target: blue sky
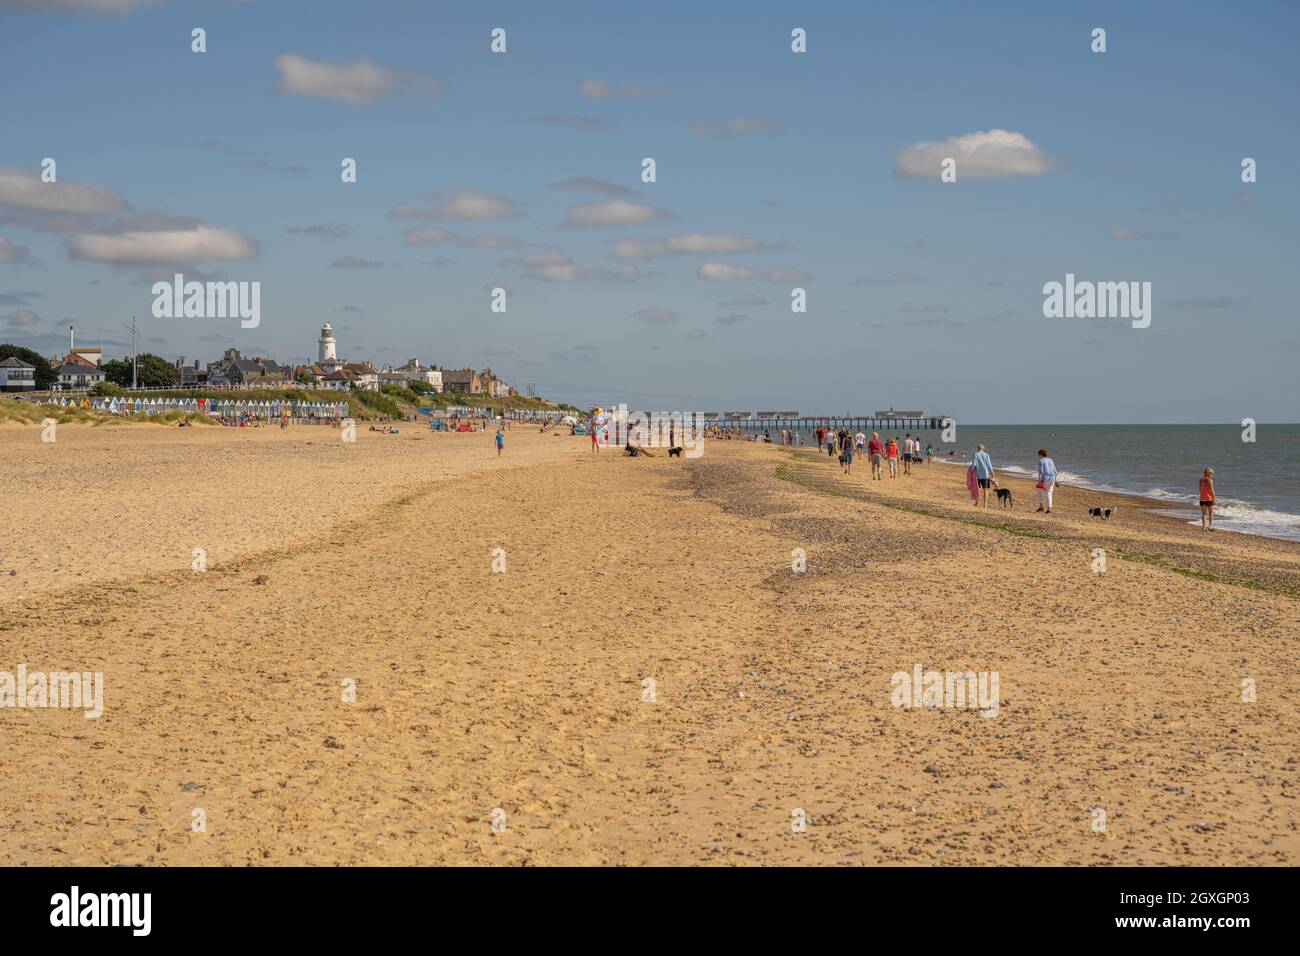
(786, 169)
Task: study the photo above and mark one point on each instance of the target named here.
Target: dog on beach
(1005, 498)
(1101, 512)
(674, 453)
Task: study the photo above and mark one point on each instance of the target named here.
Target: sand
(522, 691)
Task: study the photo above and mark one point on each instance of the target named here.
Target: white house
(76, 375)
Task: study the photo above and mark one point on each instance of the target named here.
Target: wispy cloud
(740, 126)
(614, 212)
(354, 262)
(656, 316)
(689, 243)
(358, 83)
(325, 230)
(469, 204)
(588, 184)
(596, 89)
(12, 252)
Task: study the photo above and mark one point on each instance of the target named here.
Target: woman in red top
(1207, 500)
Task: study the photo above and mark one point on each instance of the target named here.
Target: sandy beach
(769, 733)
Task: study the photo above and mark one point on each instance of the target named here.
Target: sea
(1256, 483)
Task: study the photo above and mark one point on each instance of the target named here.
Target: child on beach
(1207, 500)
(501, 440)
(891, 452)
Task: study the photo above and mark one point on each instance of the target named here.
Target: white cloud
(460, 204)
(359, 82)
(601, 90)
(551, 265)
(614, 212)
(24, 189)
(787, 275)
(720, 272)
(699, 243)
(155, 239)
(995, 154)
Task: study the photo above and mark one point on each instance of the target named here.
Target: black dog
(674, 453)
(1101, 512)
(1005, 499)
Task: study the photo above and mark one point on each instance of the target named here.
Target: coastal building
(257, 373)
(341, 379)
(413, 371)
(462, 381)
(78, 375)
(328, 351)
(17, 376)
(493, 386)
(365, 375)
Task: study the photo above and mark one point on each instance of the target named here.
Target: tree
(44, 372)
(152, 371)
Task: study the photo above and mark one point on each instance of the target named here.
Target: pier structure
(882, 422)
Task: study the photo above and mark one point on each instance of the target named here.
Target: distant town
(84, 367)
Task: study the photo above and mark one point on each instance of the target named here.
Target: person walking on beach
(1046, 480)
(910, 448)
(983, 467)
(595, 439)
(891, 452)
(876, 449)
(929, 453)
(846, 455)
(820, 435)
(1207, 500)
(501, 441)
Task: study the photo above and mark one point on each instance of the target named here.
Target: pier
(774, 421)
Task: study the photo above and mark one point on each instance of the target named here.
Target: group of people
(847, 446)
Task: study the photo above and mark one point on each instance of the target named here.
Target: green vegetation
(44, 372)
(152, 371)
(106, 389)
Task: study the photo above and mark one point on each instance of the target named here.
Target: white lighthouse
(327, 353)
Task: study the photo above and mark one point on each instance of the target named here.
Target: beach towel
(972, 484)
